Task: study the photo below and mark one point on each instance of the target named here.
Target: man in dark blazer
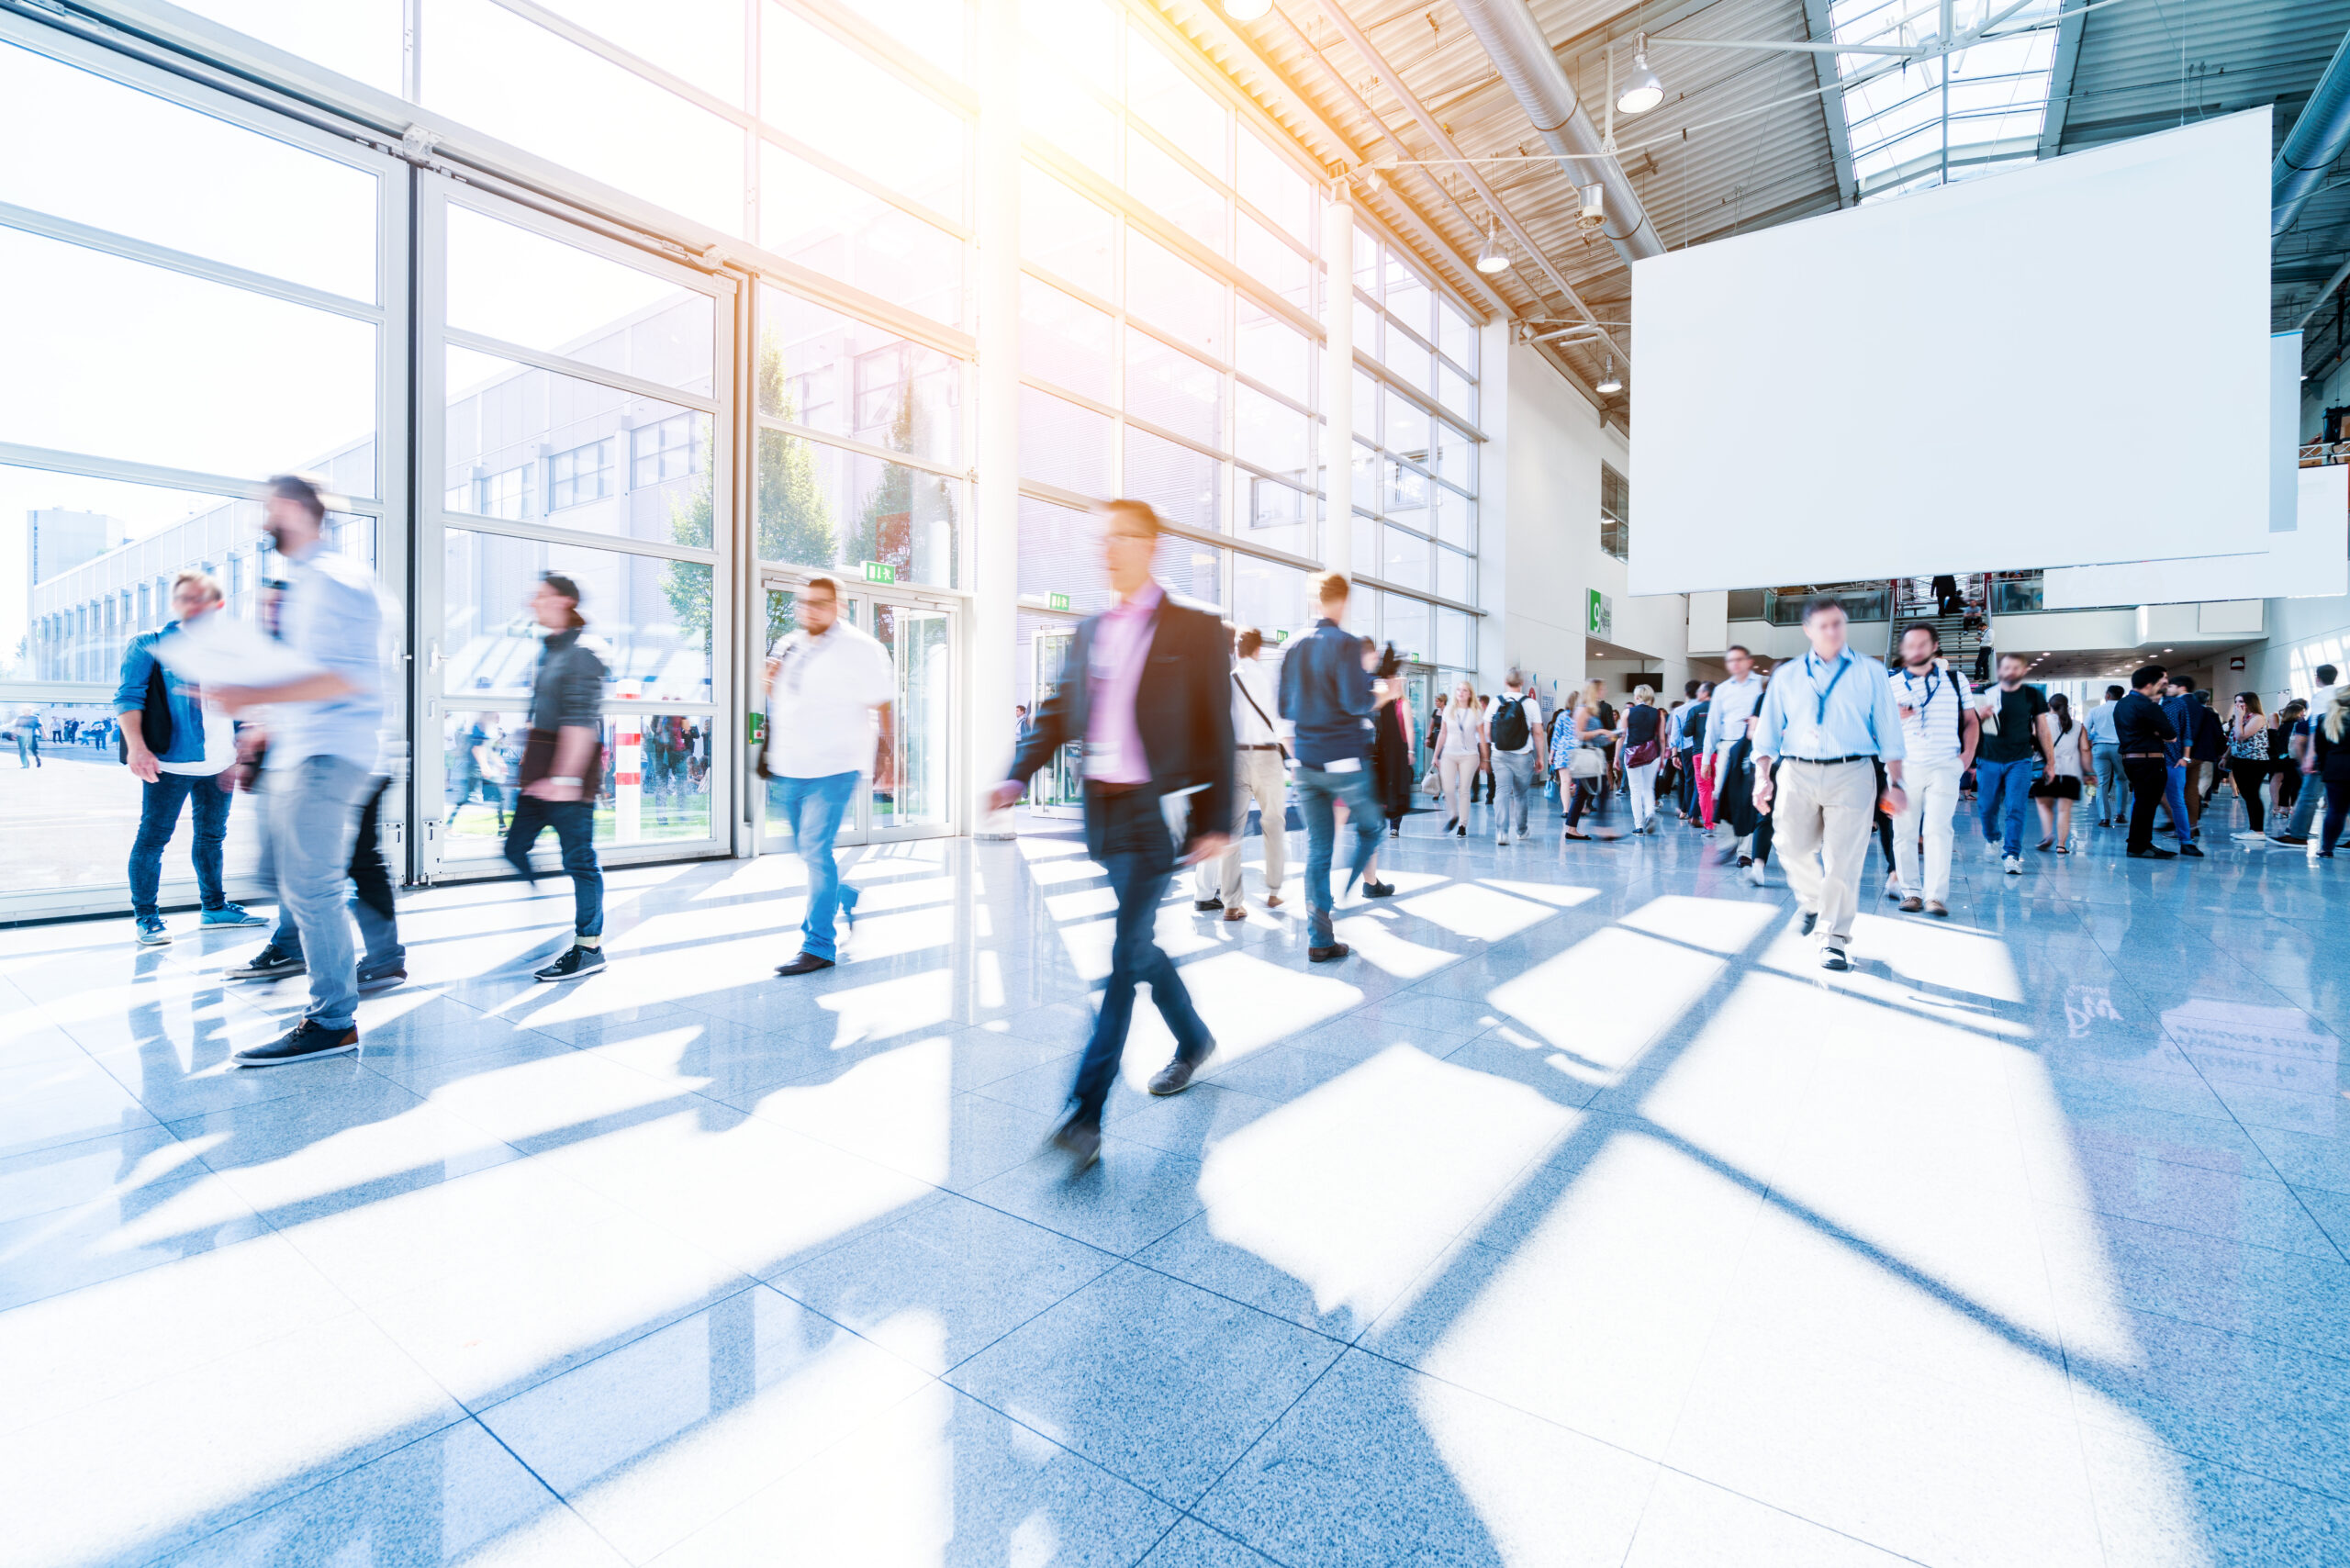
(1145, 691)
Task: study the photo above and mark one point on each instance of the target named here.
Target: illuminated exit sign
(880, 572)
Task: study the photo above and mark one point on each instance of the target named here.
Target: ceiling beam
(1822, 27)
(1443, 139)
(2060, 76)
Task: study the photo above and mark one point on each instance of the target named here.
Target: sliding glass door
(576, 395)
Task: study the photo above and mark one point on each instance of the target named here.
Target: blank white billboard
(2311, 562)
(2060, 365)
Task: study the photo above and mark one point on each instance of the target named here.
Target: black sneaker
(1204, 905)
(2190, 851)
(1810, 919)
(1379, 889)
(574, 964)
(308, 1041)
(390, 974)
(2287, 838)
(805, 964)
(271, 962)
(1832, 958)
(2152, 852)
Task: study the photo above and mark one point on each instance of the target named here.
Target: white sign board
(2000, 370)
(2311, 562)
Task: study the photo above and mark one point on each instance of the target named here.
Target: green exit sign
(880, 572)
(1057, 601)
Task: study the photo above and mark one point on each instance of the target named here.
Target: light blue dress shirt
(1817, 709)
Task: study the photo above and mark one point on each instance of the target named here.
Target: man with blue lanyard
(2178, 707)
(1829, 718)
(1939, 727)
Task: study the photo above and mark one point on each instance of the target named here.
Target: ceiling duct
(1520, 51)
(2319, 135)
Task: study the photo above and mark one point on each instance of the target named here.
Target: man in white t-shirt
(1938, 725)
(823, 681)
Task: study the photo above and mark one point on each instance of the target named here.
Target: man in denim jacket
(178, 771)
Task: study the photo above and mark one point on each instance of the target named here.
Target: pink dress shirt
(1114, 753)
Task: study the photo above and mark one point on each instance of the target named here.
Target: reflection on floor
(1578, 1218)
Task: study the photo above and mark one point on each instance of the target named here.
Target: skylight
(1905, 133)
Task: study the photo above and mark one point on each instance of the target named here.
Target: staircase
(1914, 605)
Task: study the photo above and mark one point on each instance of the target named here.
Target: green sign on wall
(1057, 601)
(1601, 620)
(880, 572)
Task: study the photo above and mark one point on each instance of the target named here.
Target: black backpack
(154, 717)
(1510, 730)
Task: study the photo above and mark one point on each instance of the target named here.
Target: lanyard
(1843, 664)
(1934, 682)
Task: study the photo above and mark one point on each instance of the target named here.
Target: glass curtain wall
(180, 350)
(1414, 481)
(1170, 343)
(582, 389)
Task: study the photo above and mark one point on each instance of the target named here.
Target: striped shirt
(1935, 700)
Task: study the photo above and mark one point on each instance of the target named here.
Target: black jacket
(2141, 725)
(1182, 708)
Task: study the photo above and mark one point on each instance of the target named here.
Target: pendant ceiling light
(1246, 10)
(1491, 257)
(1640, 91)
(1611, 383)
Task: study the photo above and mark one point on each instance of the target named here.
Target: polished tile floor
(1579, 1218)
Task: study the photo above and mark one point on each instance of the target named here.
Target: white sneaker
(2013, 865)
(1754, 873)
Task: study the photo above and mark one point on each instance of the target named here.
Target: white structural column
(995, 575)
(1339, 385)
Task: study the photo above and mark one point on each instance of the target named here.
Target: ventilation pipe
(1520, 51)
(2318, 139)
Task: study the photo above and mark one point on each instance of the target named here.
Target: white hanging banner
(2311, 562)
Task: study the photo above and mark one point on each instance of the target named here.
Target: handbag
(1585, 762)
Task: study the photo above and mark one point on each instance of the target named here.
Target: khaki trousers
(1820, 818)
(1258, 775)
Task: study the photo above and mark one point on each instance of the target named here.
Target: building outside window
(583, 474)
(669, 449)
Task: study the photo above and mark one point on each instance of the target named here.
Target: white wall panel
(2311, 562)
(1998, 371)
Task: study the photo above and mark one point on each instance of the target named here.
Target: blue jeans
(814, 807)
(370, 896)
(574, 828)
(2175, 799)
(1317, 788)
(1128, 834)
(159, 818)
(313, 807)
(2000, 790)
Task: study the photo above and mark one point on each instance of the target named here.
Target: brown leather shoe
(1912, 905)
(1938, 910)
(1236, 911)
(1325, 955)
(1272, 901)
(1175, 1077)
(1082, 1141)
